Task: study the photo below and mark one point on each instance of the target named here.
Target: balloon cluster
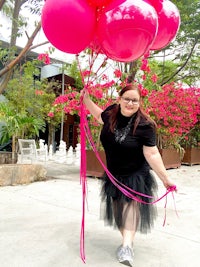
(123, 30)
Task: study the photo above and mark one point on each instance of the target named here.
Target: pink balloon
(99, 3)
(68, 25)
(126, 29)
(168, 23)
(157, 4)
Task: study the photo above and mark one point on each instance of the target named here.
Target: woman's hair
(141, 114)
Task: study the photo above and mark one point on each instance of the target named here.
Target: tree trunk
(2, 2)
(13, 148)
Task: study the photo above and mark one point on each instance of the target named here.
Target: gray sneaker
(125, 255)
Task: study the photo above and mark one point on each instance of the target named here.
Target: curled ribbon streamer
(85, 131)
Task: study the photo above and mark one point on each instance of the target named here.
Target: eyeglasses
(128, 100)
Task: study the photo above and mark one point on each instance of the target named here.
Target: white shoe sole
(127, 263)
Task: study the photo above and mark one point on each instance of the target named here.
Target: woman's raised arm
(92, 107)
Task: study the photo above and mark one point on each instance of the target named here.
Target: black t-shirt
(126, 157)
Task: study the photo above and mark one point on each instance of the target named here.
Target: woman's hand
(91, 106)
(168, 183)
(84, 93)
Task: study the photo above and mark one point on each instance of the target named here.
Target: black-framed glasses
(128, 100)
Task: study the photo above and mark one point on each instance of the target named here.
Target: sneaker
(118, 251)
(125, 255)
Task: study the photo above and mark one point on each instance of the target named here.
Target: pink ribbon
(83, 179)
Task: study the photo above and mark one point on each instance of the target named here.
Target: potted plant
(191, 144)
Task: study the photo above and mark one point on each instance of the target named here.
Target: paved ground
(40, 224)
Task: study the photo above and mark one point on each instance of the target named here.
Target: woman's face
(129, 102)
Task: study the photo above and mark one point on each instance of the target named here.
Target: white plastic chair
(29, 151)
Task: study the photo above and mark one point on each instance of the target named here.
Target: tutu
(115, 204)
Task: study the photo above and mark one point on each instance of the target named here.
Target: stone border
(13, 174)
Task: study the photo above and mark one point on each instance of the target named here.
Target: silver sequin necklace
(121, 133)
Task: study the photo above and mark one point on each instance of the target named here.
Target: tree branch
(22, 53)
(184, 64)
(41, 44)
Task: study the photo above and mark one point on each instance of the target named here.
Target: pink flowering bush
(175, 110)
(44, 58)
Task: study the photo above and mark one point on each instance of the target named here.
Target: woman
(129, 139)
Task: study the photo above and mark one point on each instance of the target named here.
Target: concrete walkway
(40, 224)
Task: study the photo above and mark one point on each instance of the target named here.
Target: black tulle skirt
(114, 201)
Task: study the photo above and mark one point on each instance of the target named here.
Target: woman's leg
(127, 217)
(130, 219)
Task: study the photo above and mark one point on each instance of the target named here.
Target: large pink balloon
(157, 4)
(68, 25)
(126, 29)
(168, 23)
(99, 3)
